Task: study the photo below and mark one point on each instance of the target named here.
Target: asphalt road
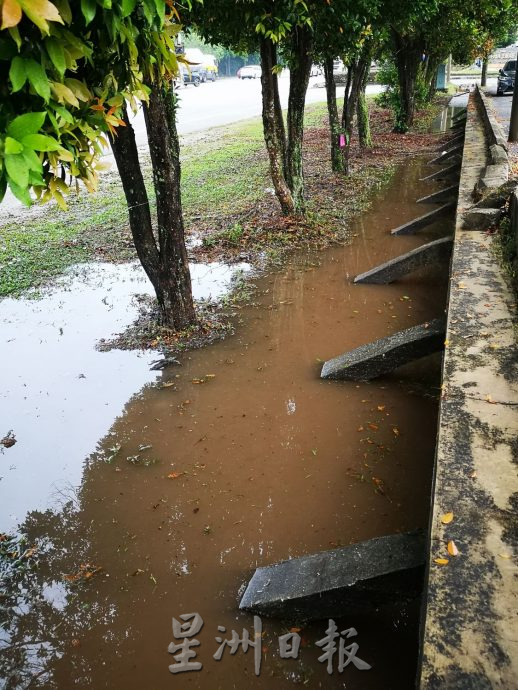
(229, 100)
(501, 106)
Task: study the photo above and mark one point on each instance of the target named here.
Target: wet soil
(239, 457)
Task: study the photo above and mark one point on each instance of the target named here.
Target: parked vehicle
(506, 78)
(316, 71)
(193, 74)
(211, 67)
(198, 72)
(249, 72)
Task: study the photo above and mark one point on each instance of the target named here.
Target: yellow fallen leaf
(446, 343)
(452, 549)
(441, 561)
(504, 555)
(381, 408)
(447, 518)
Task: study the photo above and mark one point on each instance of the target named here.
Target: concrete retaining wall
(470, 622)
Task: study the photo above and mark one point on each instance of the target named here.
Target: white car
(250, 72)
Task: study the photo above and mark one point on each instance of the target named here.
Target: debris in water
(8, 440)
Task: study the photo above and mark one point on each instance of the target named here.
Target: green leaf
(17, 73)
(21, 193)
(56, 54)
(32, 160)
(36, 179)
(64, 10)
(88, 8)
(38, 79)
(40, 142)
(17, 169)
(29, 123)
(63, 112)
(15, 35)
(79, 89)
(40, 12)
(12, 146)
(127, 7)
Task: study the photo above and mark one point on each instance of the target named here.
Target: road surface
(211, 105)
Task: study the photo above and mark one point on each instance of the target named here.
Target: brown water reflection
(247, 458)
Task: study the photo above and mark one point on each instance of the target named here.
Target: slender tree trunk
(483, 76)
(299, 79)
(407, 54)
(173, 288)
(431, 79)
(273, 126)
(362, 114)
(125, 152)
(335, 130)
(355, 79)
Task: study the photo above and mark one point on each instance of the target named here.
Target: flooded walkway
(168, 498)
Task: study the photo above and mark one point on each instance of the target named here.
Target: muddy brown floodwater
(238, 458)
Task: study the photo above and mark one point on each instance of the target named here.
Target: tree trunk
(357, 73)
(407, 54)
(483, 76)
(335, 130)
(125, 152)
(173, 287)
(299, 79)
(431, 79)
(362, 114)
(273, 126)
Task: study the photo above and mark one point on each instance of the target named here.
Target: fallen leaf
(381, 408)
(489, 399)
(395, 431)
(295, 630)
(360, 428)
(374, 427)
(441, 561)
(504, 555)
(452, 549)
(447, 518)
(174, 475)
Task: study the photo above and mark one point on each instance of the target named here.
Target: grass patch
(227, 200)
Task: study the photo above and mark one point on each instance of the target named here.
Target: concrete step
(356, 578)
(442, 194)
(424, 220)
(388, 272)
(386, 354)
(452, 170)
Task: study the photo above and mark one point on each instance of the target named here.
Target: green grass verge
(224, 172)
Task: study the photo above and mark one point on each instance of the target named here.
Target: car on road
(193, 74)
(506, 78)
(250, 72)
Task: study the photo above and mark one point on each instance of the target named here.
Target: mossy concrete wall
(470, 620)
